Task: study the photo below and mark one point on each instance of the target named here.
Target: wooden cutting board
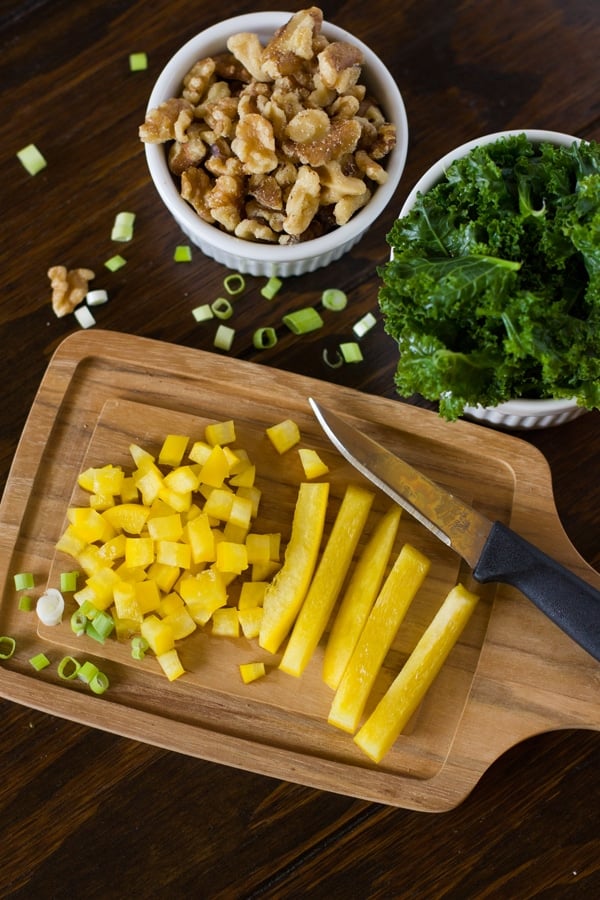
(513, 673)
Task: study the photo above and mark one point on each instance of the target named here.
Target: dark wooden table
(90, 814)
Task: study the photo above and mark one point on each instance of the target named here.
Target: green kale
(492, 291)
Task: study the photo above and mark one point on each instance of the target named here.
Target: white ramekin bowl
(514, 414)
(271, 259)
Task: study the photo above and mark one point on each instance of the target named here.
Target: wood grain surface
(95, 814)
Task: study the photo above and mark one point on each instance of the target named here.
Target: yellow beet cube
(129, 517)
(140, 456)
(258, 547)
(129, 491)
(216, 468)
(171, 664)
(165, 528)
(250, 620)
(172, 450)
(71, 543)
(200, 452)
(203, 594)
(231, 557)
(252, 671)
(284, 435)
(220, 432)
(88, 524)
(313, 465)
(241, 512)
(163, 575)
(174, 553)
(252, 594)
(201, 539)
(218, 504)
(158, 633)
(253, 494)
(225, 622)
(181, 622)
(182, 479)
(101, 585)
(172, 603)
(147, 595)
(244, 478)
(139, 551)
(126, 604)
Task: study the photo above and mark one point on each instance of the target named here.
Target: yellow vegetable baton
(284, 596)
(409, 687)
(396, 595)
(359, 597)
(329, 577)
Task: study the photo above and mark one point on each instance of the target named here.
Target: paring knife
(493, 551)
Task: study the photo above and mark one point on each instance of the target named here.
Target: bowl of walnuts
(275, 140)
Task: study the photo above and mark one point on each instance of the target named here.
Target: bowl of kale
(492, 288)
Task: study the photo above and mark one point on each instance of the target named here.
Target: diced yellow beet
(148, 481)
(250, 620)
(265, 571)
(165, 528)
(70, 542)
(172, 450)
(328, 579)
(88, 524)
(174, 553)
(163, 575)
(90, 559)
(139, 551)
(216, 468)
(218, 504)
(126, 604)
(147, 594)
(124, 628)
(240, 514)
(395, 597)
(284, 435)
(245, 478)
(128, 517)
(225, 622)
(137, 573)
(252, 593)
(170, 604)
(275, 539)
(85, 479)
(203, 593)
(158, 633)
(313, 465)
(361, 593)
(181, 622)
(108, 480)
(258, 547)
(113, 549)
(201, 539)
(252, 671)
(100, 502)
(220, 432)
(140, 456)
(101, 585)
(286, 593)
(253, 494)
(231, 557)
(182, 479)
(241, 462)
(414, 679)
(179, 502)
(171, 664)
(129, 491)
(235, 533)
(200, 452)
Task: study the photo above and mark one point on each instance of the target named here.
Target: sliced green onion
(182, 253)
(122, 229)
(39, 661)
(138, 62)
(101, 626)
(87, 671)
(363, 325)
(139, 646)
(84, 317)
(88, 609)
(224, 337)
(234, 283)
(8, 646)
(203, 313)
(24, 581)
(115, 263)
(271, 288)
(25, 603)
(333, 364)
(263, 338)
(68, 668)
(50, 607)
(222, 308)
(79, 623)
(68, 581)
(334, 299)
(96, 298)
(351, 352)
(31, 159)
(99, 683)
(303, 320)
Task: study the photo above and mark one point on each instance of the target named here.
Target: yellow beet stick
(401, 585)
(359, 597)
(285, 594)
(329, 577)
(414, 679)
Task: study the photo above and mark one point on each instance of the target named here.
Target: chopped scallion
(202, 313)
(24, 581)
(96, 298)
(25, 603)
(303, 320)
(224, 337)
(222, 308)
(139, 646)
(31, 159)
(50, 607)
(79, 622)
(87, 671)
(68, 668)
(122, 229)
(68, 581)
(271, 288)
(183, 253)
(351, 352)
(99, 683)
(334, 299)
(363, 325)
(333, 364)
(8, 646)
(264, 338)
(39, 661)
(115, 263)
(138, 62)
(84, 317)
(101, 626)
(234, 283)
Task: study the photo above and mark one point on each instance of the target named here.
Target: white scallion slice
(84, 317)
(31, 159)
(50, 607)
(96, 298)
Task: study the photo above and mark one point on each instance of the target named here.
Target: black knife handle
(569, 601)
